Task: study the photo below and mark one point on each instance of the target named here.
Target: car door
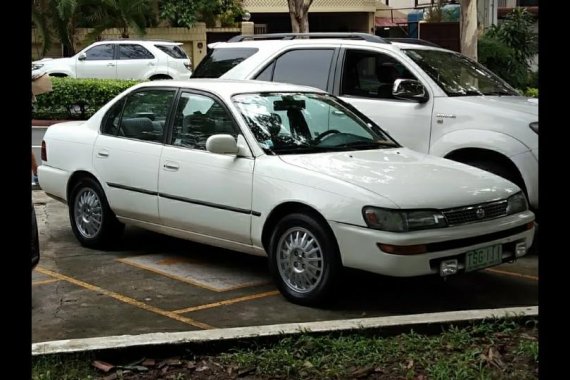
(97, 62)
(134, 61)
(127, 153)
(199, 191)
(365, 80)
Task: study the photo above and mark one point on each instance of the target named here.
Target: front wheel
(92, 221)
(304, 260)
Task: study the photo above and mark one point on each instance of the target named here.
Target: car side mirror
(410, 89)
(222, 144)
(82, 56)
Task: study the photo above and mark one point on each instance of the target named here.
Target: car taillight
(44, 151)
(188, 65)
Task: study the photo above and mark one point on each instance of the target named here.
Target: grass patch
(495, 349)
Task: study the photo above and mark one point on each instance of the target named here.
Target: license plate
(483, 257)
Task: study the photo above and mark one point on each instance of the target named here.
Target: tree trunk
(469, 28)
(299, 14)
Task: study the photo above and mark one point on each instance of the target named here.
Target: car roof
(279, 43)
(129, 41)
(229, 87)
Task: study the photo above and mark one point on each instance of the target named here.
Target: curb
(204, 336)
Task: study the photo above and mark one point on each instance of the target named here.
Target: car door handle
(103, 154)
(338, 113)
(151, 63)
(172, 166)
(110, 64)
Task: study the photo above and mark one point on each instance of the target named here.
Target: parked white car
(281, 170)
(122, 59)
(431, 100)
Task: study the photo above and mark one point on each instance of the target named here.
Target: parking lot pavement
(154, 283)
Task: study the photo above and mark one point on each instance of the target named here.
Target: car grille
(475, 213)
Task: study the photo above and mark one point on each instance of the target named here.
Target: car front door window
(100, 53)
(198, 117)
(145, 113)
(371, 75)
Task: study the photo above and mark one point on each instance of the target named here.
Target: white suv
(429, 99)
(122, 59)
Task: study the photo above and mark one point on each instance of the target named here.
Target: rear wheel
(304, 260)
(92, 221)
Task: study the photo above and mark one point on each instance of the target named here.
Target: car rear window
(220, 61)
(173, 50)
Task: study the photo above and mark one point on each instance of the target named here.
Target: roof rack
(292, 36)
(415, 41)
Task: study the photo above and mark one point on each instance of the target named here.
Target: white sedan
(280, 170)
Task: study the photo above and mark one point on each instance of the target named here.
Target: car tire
(93, 222)
(304, 260)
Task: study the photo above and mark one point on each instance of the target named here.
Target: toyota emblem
(480, 213)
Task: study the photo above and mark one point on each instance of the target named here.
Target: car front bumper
(359, 249)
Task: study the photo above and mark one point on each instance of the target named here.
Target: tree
(468, 26)
(40, 21)
(185, 13)
(299, 13)
(122, 14)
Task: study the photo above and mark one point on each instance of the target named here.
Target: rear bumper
(53, 181)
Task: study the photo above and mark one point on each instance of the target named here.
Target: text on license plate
(483, 257)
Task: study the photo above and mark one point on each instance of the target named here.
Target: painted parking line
(227, 302)
(213, 276)
(124, 299)
(44, 282)
(513, 274)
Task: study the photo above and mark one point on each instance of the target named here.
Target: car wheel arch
(75, 178)
(468, 155)
(284, 209)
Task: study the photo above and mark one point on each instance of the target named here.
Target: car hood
(408, 178)
(504, 106)
(52, 61)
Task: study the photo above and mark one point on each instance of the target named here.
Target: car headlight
(37, 66)
(402, 221)
(516, 203)
(534, 126)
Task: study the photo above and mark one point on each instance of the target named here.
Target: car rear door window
(100, 53)
(220, 61)
(304, 67)
(134, 52)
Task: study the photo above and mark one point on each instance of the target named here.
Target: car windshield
(286, 123)
(458, 75)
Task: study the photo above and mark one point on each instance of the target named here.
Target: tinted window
(173, 51)
(100, 52)
(198, 117)
(371, 75)
(305, 67)
(220, 61)
(110, 125)
(134, 52)
(145, 113)
(266, 74)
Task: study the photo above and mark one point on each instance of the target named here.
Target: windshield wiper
(498, 92)
(368, 144)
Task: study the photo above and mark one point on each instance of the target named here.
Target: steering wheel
(321, 136)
